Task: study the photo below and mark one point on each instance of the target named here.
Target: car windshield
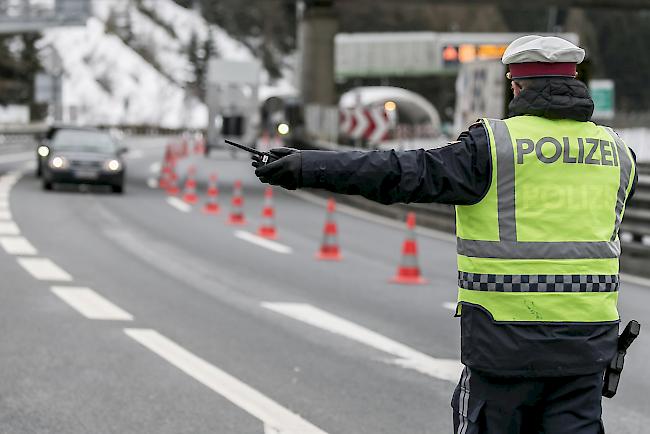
(83, 141)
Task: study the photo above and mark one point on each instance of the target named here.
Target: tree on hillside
(199, 54)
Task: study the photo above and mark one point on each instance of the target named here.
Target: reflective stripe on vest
(497, 240)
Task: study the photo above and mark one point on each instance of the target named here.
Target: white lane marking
(152, 182)
(263, 242)
(635, 279)
(155, 167)
(90, 304)
(9, 228)
(242, 395)
(21, 156)
(443, 369)
(44, 269)
(17, 246)
(451, 305)
(5, 215)
(270, 430)
(179, 204)
(4, 204)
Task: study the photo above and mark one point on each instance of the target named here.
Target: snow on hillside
(107, 81)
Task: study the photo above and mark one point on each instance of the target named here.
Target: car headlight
(112, 165)
(58, 163)
(43, 151)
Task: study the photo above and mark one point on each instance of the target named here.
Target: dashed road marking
(90, 304)
(4, 205)
(152, 182)
(44, 269)
(5, 215)
(17, 246)
(263, 242)
(407, 357)
(272, 414)
(179, 204)
(451, 305)
(9, 228)
(155, 167)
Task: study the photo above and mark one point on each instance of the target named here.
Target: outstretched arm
(458, 173)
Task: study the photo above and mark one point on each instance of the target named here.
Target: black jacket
(459, 174)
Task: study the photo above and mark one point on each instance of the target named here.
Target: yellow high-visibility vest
(542, 245)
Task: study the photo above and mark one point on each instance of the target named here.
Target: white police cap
(539, 56)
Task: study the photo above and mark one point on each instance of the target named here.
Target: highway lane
(186, 276)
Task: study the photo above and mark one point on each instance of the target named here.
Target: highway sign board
(602, 92)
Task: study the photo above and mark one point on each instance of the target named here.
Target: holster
(615, 368)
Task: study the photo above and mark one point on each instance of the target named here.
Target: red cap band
(541, 69)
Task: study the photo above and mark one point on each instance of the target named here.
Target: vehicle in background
(282, 117)
(72, 155)
(232, 90)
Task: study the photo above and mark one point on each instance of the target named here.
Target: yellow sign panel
(491, 51)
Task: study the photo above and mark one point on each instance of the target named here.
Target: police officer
(539, 200)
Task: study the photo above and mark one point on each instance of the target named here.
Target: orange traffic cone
(237, 206)
(409, 270)
(165, 169)
(189, 191)
(267, 228)
(172, 180)
(163, 177)
(212, 206)
(329, 249)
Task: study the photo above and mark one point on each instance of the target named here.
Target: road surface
(139, 314)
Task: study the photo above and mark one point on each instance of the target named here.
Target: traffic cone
(409, 270)
(212, 205)
(165, 169)
(237, 206)
(172, 180)
(189, 191)
(329, 249)
(267, 228)
(163, 177)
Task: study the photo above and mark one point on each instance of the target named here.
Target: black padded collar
(554, 98)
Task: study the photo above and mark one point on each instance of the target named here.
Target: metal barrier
(20, 137)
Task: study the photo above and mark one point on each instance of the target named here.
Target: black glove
(285, 168)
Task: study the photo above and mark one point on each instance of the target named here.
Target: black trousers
(558, 405)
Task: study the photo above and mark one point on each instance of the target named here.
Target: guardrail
(16, 138)
(635, 229)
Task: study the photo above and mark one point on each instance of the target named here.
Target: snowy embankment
(108, 81)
